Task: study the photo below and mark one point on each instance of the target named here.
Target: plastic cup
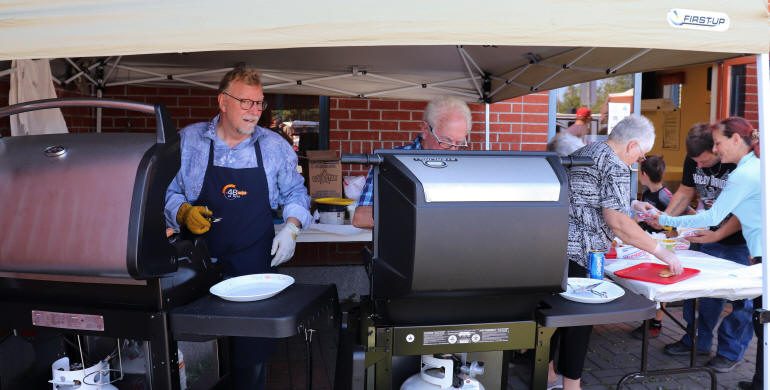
(668, 243)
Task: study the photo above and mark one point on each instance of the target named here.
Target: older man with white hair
(446, 125)
(600, 204)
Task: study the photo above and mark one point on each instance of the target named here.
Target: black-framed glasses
(246, 104)
(446, 143)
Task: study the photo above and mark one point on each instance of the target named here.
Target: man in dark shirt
(705, 175)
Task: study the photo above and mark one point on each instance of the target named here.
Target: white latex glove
(642, 207)
(643, 211)
(283, 244)
(669, 258)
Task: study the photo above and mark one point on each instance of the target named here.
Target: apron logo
(230, 191)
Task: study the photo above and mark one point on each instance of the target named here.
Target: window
(737, 106)
(302, 120)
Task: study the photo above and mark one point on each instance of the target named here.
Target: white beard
(252, 120)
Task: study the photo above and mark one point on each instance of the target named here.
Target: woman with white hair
(600, 203)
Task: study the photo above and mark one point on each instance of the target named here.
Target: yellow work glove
(195, 218)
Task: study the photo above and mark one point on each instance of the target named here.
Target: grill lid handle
(369, 159)
(165, 129)
(569, 161)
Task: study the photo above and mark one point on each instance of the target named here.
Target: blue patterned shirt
(285, 185)
(367, 194)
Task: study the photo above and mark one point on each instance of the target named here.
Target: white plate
(252, 287)
(612, 290)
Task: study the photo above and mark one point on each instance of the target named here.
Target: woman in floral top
(600, 203)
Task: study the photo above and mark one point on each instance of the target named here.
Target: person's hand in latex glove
(642, 207)
(669, 258)
(195, 218)
(643, 210)
(283, 244)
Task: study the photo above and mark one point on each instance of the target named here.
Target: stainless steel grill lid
(86, 204)
(469, 221)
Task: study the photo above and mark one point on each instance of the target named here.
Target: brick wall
(363, 125)
(751, 108)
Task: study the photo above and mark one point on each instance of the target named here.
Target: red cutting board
(648, 272)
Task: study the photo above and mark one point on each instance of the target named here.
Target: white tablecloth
(718, 278)
(321, 232)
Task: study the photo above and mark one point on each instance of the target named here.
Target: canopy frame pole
(193, 82)
(587, 69)
(425, 85)
(330, 89)
(631, 59)
(470, 58)
(113, 66)
(637, 112)
(533, 60)
(562, 69)
(138, 81)
(203, 72)
(553, 100)
(487, 143)
(99, 95)
(387, 91)
(386, 78)
(463, 55)
(6, 72)
(510, 81)
(763, 94)
(81, 72)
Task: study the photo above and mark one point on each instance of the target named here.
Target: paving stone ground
(613, 353)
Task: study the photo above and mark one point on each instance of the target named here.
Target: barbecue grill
(85, 252)
(449, 234)
(469, 250)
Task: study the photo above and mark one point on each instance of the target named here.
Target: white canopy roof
(390, 49)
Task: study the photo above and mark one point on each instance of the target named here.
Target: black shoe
(722, 364)
(678, 348)
(655, 328)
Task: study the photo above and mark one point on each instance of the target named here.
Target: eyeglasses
(642, 157)
(246, 104)
(446, 143)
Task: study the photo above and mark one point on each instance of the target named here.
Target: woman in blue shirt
(736, 141)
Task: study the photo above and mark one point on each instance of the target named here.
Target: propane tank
(445, 371)
(96, 377)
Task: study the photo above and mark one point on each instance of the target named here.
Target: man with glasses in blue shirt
(446, 125)
(234, 173)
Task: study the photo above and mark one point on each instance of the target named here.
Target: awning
(387, 49)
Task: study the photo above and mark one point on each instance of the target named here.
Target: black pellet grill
(84, 249)
(466, 246)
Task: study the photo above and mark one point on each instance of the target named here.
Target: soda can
(596, 264)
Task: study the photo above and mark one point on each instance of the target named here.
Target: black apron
(241, 241)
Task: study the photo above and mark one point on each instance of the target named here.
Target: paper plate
(612, 290)
(252, 287)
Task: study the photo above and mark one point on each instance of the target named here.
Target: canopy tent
(487, 51)
(391, 49)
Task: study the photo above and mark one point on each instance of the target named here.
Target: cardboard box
(324, 178)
